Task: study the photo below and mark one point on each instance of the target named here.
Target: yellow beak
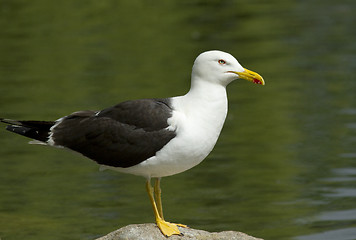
(250, 76)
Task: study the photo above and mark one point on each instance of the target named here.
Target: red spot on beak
(257, 81)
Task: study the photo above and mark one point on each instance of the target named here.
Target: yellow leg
(157, 191)
(168, 229)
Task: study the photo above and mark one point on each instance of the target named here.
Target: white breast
(198, 121)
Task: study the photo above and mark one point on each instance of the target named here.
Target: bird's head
(222, 68)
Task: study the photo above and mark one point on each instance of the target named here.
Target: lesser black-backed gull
(152, 138)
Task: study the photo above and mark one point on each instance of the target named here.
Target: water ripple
(340, 234)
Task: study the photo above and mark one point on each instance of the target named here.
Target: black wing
(121, 136)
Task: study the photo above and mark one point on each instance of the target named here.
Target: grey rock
(150, 231)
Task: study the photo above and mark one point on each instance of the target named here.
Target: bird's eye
(221, 62)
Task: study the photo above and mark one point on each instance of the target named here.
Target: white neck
(205, 104)
(208, 95)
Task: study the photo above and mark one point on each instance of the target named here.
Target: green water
(285, 164)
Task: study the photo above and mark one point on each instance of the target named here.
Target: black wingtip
(39, 130)
(25, 131)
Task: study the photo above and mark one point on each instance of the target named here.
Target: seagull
(153, 138)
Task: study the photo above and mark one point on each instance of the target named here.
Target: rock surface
(150, 231)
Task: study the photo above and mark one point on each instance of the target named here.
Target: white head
(221, 68)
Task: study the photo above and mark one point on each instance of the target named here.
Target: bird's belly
(180, 154)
